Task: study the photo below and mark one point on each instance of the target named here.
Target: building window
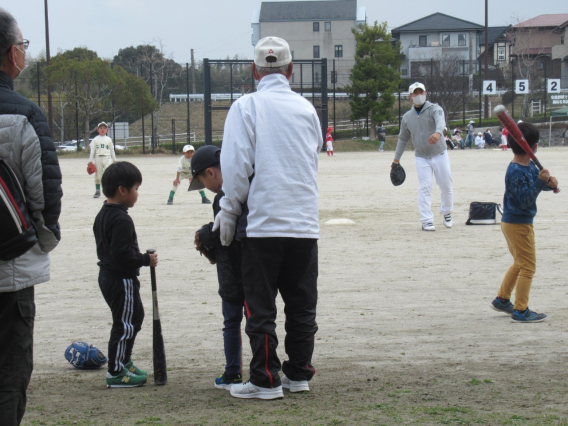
(316, 27)
(316, 77)
(404, 71)
(501, 53)
(562, 39)
(328, 26)
(445, 40)
(339, 51)
(461, 40)
(316, 52)
(541, 65)
(422, 41)
(292, 53)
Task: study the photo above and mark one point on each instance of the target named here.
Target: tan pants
(181, 178)
(101, 163)
(520, 239)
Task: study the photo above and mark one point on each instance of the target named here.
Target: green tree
(92, 84)
(375, 76)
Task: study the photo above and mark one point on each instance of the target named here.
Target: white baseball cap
(415, 86)
(102, 123)
(273, 48)
(188, 148)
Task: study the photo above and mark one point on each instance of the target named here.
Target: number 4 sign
(553, 85)
(489, 87)
(521, 87)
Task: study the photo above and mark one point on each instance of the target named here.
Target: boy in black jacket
(120, 261)
(206, 171)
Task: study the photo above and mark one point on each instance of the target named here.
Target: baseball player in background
(329, 141)
(184, 172)
(102, 155)
(425, 123)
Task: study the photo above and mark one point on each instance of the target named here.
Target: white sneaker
(295, 385)
(248, 390)
(428, 227)
(448, 220)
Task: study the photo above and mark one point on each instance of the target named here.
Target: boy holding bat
(206, 171)
(523, 184)
(120, 261)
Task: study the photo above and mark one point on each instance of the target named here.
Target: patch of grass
(149, 421)
(474, 382)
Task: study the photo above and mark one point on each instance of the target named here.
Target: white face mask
(25, 62)
(419, 99)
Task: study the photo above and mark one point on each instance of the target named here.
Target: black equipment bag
(481, 213)
(18, 233)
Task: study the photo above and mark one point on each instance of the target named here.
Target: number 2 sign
(553, 85)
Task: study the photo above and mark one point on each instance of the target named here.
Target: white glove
(226, 223)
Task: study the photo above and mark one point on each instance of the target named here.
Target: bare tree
(446, 80)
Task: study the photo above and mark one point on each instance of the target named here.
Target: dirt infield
(406, 335)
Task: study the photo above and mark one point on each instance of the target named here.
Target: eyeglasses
(25, 43)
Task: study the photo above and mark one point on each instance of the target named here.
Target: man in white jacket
(269, 161)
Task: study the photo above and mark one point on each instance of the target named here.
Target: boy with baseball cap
(184, 172)
(102, 155)
(206, 172)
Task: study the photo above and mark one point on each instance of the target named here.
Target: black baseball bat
(160, 368)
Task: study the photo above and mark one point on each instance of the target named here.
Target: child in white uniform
(102, 155)
(184, 172)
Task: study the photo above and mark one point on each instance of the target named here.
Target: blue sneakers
(527, 316)
(224, 381)
(499, 306)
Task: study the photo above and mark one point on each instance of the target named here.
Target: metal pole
(207, 102)
(173, 135)
(486, 57)
(192, 72)
(38, 86)
(113, 113)
(463, 92)
(334, 90)
(324, 110)
(513, 89)
(47, 60)
(152, 91)
(143, 114)
(231, 81)
(76, 112)
(399, 109)
(187, 89)
(301, 80)
(480, 89)
(545, 93)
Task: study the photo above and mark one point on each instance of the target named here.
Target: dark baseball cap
(206, 156)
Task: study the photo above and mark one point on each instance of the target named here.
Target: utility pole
(47, 60)
(486, 55)
(192, 73)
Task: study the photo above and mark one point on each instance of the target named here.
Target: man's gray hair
(9, 33)
(275, 70)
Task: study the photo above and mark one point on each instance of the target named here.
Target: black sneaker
(205, 201)
(170, 201)
(97, 194)
(527, 316)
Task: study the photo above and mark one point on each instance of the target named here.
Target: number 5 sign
(521, 87)
(489, 87)
(553, 85)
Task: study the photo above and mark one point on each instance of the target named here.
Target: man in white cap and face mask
(425, 123)
(269, 161)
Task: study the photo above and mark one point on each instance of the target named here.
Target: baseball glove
(209, 253)
(84, 356)
(91, 168)
(397, 174)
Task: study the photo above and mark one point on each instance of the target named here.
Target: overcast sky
(216, 29)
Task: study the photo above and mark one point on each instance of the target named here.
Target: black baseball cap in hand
(206, 156)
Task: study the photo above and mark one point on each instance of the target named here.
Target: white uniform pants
(438, 166)
(182, 176)
(101, 163)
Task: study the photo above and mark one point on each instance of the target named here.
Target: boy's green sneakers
(135, 370)
(125, 379)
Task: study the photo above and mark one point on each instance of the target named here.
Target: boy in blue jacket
(523, 184)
